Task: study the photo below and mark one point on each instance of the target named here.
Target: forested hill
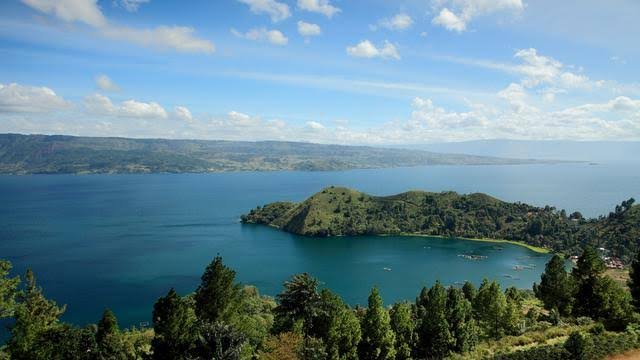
(341, 211)
(33, 154)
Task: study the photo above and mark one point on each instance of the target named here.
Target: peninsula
(338, 211)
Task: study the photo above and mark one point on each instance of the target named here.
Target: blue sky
(331, 71)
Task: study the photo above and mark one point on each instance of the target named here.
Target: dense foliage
(57, 154)
(341, 211)
(223, 320)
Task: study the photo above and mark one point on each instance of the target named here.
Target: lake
(121, 241)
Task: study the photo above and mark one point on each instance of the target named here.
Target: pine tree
(461, 323)
(556, 287)
(108, 325)
(218, 295)
(469, 291)
(434, 338)
(174, 324)
(377, 337)
(298, 302)
(8, 290)
(403, 326)
(108, 338)
(586, 275)
(34, 315)
(489, 308)
(634, 281)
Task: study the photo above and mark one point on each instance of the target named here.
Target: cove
(121, 241)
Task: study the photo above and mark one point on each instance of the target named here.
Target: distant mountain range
(58, 154)
(589, 151)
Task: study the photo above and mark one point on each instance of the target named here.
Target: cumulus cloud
(308, 29)
(398, 22)
(30, 99)
(366, 49)
(131, 5)
(178, 38)
(323, 7)
(455, 15)
(103, 82)
(98, 104)
(274, 37)
(277, 11)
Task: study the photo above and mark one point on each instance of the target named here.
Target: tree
(489, 308)
(556, 287)
(108, 338)
(66, 342)
(217, 297)
(462, 326)
(284, 346)
(174, 326)
(377, 337)
(34, 315)
(586, 274)
(579, 346)
(634, 281)
(469, 291)
(403, 326)
(298, 301)
(341, 329)
(218, 341)
(8, 290)
(434, 338)
(614, 304)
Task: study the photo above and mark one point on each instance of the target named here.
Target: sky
(377, 72)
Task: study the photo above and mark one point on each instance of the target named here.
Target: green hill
(41, 154)
(337, 211)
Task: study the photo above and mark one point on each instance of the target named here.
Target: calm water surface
(123, 240)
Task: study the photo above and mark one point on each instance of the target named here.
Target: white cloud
(103, 82)
(366, 49)
(97, 104)
(323, 7)
(315, 126)
(277, 11)
(274, 37)
(308, 29)
(30, 99)
(455, 15)
(182, 113)
(449, 21)
(398, 22)
(131, 5)
(178, 38)
(85, 11)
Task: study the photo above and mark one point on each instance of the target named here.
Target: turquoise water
(123, 240)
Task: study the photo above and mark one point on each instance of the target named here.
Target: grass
(536, 249)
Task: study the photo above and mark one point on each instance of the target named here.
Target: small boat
(386, 269)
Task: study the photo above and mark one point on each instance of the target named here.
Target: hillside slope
(34, 154)
(339, 211)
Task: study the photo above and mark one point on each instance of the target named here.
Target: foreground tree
(462, 326)
(34, 315)
(634, 281)
(556, 287)
(586, 275)
(8, 290)
(298, 302)
(377, 337)
(218, 341)
(489, 307)
(217, 297)
(174, 325)
(434, 338)
(108, 336)
(403, 326)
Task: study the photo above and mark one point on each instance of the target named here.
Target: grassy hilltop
(337, 211)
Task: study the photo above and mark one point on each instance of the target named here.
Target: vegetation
(40, 154)
(222, 320)
(340, 211)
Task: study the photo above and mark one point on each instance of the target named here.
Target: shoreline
(536, 249)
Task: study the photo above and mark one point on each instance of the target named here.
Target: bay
(121, 241)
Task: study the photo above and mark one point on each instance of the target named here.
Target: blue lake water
(123, 240)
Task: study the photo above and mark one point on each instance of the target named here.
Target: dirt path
(630, 355)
